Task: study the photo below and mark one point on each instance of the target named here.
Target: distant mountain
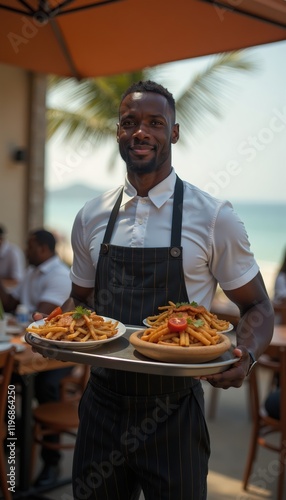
(74, 191)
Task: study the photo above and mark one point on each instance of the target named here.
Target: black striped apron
(153, 424)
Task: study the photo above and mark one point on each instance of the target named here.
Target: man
(12, 261)
(45, 286)
(156, 239)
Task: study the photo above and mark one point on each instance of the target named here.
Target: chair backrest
(273, 360)
(73, 385)
(280, 313)
(6, 368)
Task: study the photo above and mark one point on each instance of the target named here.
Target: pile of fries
(203, 327)
(77, 326)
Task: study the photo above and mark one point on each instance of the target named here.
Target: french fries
(202, 328)
(80, 325)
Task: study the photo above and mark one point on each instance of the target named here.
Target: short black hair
(2, 230)
(149, 86)
(44, 237)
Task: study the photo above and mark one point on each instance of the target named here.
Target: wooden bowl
(177, 354)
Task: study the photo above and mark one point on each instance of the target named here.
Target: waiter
(135, 248)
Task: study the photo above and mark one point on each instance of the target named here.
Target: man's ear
(175, 133)
(117, 132)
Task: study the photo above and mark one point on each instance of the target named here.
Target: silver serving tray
(121, 355)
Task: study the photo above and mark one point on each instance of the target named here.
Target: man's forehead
(152, 99)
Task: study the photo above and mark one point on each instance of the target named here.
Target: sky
(241, 156)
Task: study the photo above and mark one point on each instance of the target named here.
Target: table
(27, 365)
(279, 336)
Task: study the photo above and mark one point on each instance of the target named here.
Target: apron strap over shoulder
(177, 214)
(112, 219)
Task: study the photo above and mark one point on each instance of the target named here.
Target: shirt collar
(159, 194)
(48, 265)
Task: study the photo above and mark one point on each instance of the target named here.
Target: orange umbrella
(85, 38)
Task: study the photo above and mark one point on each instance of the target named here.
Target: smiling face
(145, 133)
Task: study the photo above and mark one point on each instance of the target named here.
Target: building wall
(22, 126)
(14, 134)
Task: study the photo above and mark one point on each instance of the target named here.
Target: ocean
(265, 224)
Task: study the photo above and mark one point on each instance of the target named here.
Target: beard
(141, 168)
(138, 166)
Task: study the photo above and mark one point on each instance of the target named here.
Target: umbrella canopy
(85, 38)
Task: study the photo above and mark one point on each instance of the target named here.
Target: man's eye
(157, 123)
(128, 123)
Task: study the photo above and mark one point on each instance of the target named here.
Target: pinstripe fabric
(159, 442)
(138, 429)
(144, 278)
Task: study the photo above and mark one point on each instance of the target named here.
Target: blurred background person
(45, 285)
(280, 284)
(12, 261)
(279, 300)
(46, 280)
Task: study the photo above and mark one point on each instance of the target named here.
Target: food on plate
(184, 325)
(55, 312)
(79, 325)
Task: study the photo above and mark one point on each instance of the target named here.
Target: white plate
(75, 345)
(6, 345)
(223, 331)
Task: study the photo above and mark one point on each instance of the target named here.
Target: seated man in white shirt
(46, 285)
(12, 261)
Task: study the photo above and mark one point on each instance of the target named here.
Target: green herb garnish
(80, 311)
(193, 304)
(196, 322)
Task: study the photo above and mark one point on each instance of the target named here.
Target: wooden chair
(6, 368)
(280, 313)
(60, 417)
(274, 360)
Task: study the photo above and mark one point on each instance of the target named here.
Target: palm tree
(90, 108)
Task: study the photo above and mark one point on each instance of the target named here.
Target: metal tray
(121, 355)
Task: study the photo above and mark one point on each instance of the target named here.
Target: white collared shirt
(12, 261)
(48, 282)
(215, 244)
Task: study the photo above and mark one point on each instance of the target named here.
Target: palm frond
(208, 93)
(88, 110)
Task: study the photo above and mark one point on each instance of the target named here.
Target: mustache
(142, 143)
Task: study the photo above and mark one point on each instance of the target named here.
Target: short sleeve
(82, 271)
(232, 262)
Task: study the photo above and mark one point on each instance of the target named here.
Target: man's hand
(37, 316)
(235, 376)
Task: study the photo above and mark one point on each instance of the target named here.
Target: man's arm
(254, 330)
(79, 296)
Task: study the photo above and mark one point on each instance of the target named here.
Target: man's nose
(141, 131)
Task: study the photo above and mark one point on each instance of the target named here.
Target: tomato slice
(176, 324)
(54, 313)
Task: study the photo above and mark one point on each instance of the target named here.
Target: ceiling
(98, 38)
